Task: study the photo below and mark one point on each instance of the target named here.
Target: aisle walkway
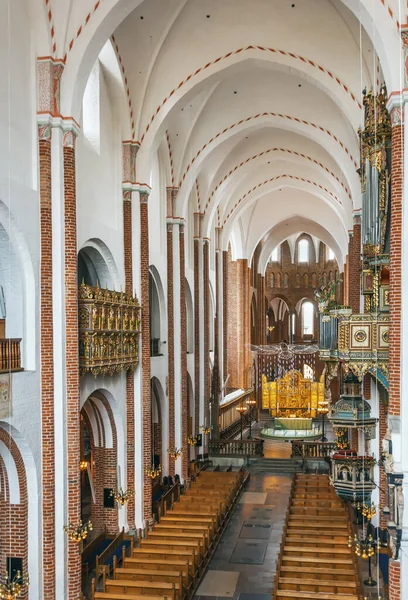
(243, 567)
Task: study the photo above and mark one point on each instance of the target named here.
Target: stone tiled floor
(263, 506)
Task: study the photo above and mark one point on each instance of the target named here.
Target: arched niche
(96, 265)
(189, 319)
(156, 312)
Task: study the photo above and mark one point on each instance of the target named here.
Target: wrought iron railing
(10, 356)
(109, 328)
(236, 447)
(312, 449)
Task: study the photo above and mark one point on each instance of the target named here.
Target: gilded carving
(109, 329)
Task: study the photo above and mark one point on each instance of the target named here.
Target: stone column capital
(144, 192)
(130, 150)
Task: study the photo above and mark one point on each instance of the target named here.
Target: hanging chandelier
(10, 589)
(286, 351)
(153, 472)
(175, 452)
(367, 510)
(122, 497)
(78, 533)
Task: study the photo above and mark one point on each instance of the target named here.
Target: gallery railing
(10, 357)
(236, 448)
(312, 449)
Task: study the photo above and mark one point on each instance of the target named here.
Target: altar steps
(276, 465)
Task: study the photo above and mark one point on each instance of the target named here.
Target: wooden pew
(315, 560)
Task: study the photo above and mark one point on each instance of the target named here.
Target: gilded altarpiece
(109, 329)
(292, 396)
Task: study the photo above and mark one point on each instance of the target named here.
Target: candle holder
(365, 549)
(175, 452)
(153, 472)
(206, 429)
(83, 465)
(10, 589)
(367, 510)
(192, 440)
(122, 497)
(78, 533)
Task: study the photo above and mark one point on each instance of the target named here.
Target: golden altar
(292, 396)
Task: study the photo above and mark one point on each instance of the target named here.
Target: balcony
(10, 356)
(109, 329)
(360, 341)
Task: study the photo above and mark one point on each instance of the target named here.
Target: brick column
(47, 361)
(145, 356)
(217, 371)
(72, 361)
(397, 166)
(197, 350)
(129, 178)
(355, 266)
(183, 351)
(225, 305)
(395, 580)
(206, 358)
(170, 341)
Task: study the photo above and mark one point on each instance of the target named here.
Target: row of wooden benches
(315, 560)
(171, 560)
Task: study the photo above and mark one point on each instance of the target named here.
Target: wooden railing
(236, 447)
(160, 507)
(10, 358)
(229, 418)
(102, 558)
(312, 449)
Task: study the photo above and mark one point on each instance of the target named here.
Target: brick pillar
(397, 166)
(197, 352)
(72, 362)
(395, 580)
(170, 342)
(145, 356)
(130, 377)
(129, 178)
(183, 350)
(47, 362)
(355, 266)
(206, 295)
(243, 320)
(225, 305)
(345, 283)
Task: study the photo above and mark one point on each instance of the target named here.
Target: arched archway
(100, 471)
(156, 312)
(157, 396)
(19, 505)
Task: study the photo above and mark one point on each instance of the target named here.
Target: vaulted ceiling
(255, 102)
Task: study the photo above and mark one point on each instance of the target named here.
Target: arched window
(91, 109)
(303, 251)
(275, 254)
(307, 319)
(154, 306)
(329, 253)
